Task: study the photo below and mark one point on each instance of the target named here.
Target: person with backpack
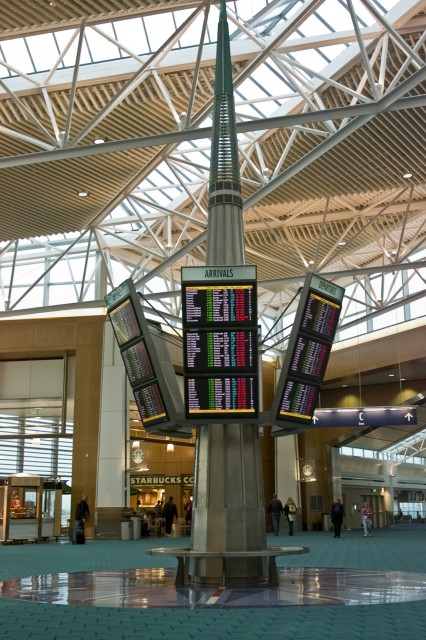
(337, 513)
(290, 511)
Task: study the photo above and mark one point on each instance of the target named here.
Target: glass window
(336, 14)
(63, 38)
(191, 36)
(32, 300)
(16, 54)
(100, 48)
(31, 405)
(389, 319)
(43, 51)
(132, 33)
(63, 293)
(157, 36)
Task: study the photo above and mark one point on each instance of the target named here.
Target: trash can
(326, 523)
(137, 527)
(126, 530)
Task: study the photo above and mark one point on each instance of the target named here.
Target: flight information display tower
(220, 344)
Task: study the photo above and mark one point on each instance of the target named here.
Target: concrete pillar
(112, 439)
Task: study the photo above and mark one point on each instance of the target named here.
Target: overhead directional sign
(368, 417)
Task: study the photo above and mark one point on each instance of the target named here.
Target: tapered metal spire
(225, 234)
(228, 510)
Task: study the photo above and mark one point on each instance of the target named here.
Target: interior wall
(356, 359)
(354, 499)
(267, 443)
(372, 352)
(82, 337)
(30, 379)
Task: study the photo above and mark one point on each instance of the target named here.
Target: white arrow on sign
(408, 416)
(315, 419)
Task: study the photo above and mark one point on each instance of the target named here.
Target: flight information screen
(221, 396)
(220, 332)
(220, 351)
(137, 363)
(150, 404)
(310, 358)
(146, 360)
(298, 400)
(320, 317)
(230, 304)
(308, 351)
(124, 322)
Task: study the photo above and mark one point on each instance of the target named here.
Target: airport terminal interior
(106, 131)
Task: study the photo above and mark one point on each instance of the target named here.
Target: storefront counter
(20, 529)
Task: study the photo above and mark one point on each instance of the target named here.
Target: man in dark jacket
(337, 514)
(275, 508)
(169, 512)
(82, 513)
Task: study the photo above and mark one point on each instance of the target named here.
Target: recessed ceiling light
(82, 193)
(344, 385)
(402, 379)
(407, 175)
(391, 375)
(341, 244)
(99, 140)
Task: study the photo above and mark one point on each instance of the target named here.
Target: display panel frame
(121, 332)
(320, 304)
(221, 300)
(219, 304)
(293, 414)
(329, 307)
(206, 356)
(136, 379)
(154, 419)
(218, 415)
(165, 381)
(310, 344)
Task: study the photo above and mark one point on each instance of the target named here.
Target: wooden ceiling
(326, 192)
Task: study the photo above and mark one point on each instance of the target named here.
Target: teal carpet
(396, 549)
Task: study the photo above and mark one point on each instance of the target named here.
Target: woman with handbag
(367, 521)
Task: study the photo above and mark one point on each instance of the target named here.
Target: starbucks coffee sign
(160, 480)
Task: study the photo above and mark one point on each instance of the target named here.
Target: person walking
(169, 513)
(367, 519)
(337, 513)
(188, 515)
(290, 511)
(275, 508)
(82, 513)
